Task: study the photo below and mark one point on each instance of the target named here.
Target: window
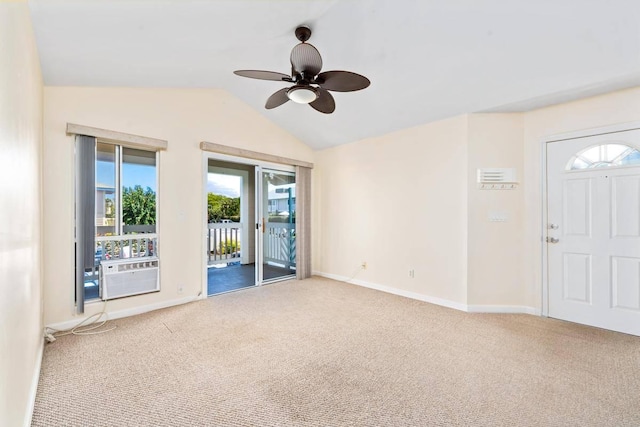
(138, 191)
(125, 190)
(125, 207)
(115, 214)
(605, 155)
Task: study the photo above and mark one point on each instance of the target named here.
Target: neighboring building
(279, 199)
(105, 206)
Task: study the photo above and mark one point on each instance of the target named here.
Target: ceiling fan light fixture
(302, 95)
(310, 86)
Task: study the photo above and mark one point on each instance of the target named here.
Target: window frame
(602, 163)
(120, 235)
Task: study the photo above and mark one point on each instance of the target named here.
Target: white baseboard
(33, 390)
(388, 289)
(125, 312)
(505, 309)
(512, 309)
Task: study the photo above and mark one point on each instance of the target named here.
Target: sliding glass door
(251, 220)
(276, 230)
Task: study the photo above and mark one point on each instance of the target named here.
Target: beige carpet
(325, 353)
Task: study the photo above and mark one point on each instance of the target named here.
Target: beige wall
(408, 200)
(495, 248)
(614, 108)
(184, 117)
(398, 202)
(21, 325)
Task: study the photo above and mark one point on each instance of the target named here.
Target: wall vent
(497, 179)
(126, 277)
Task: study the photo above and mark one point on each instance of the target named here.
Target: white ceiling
(426, 59)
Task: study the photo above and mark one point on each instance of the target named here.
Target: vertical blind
(85, 212)
(303, 222)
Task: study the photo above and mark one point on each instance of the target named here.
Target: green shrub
(228, 247)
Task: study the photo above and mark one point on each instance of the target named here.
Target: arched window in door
(603, 156)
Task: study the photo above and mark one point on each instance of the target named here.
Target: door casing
(206, 155)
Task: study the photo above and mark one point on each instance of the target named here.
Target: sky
(226, 185)
(145, 176)
(132, 174)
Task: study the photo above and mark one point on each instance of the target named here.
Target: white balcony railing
(223, 243)
(126, 246)
(280, 244)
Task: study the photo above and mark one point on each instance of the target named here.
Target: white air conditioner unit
(126, 277)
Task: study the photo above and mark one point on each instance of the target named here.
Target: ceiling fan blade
(277, 99)
(342, 81)
(325, 102)
(263, 75)
(306, 59)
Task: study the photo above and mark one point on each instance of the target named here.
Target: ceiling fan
(310, 86)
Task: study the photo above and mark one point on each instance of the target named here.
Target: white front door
(593, 230)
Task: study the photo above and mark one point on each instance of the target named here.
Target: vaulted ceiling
(426, 59)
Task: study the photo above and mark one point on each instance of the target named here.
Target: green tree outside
(222, 207)
(138, 206)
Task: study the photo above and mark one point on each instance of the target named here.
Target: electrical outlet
(180, 288)
(412, 273)
(364, 265)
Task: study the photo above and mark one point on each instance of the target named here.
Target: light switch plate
(498, 217)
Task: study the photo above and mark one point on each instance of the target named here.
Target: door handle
(554, 226)
(264, 226)
(552, 240)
